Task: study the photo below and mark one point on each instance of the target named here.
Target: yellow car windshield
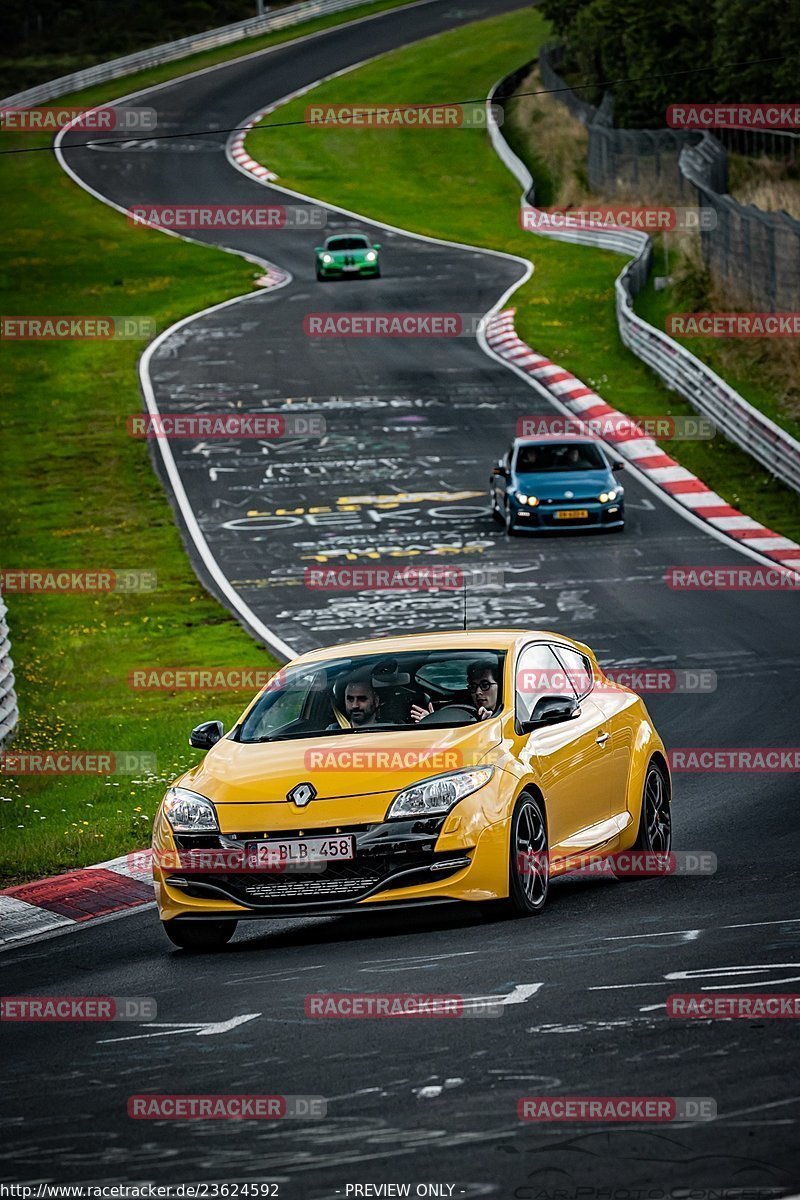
(368, 693)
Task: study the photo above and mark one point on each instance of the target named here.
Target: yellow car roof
(471, 639)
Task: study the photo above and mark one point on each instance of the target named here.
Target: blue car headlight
(437, 795)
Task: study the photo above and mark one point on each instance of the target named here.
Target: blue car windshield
(560, 456)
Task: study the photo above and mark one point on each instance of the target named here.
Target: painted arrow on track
(170, 1028)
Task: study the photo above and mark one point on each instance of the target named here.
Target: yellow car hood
(355, 764)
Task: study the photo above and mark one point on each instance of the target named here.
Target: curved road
(430, 1101)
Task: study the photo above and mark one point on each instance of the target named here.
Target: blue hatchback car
(556, 484)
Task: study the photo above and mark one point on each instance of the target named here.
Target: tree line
(645, 42)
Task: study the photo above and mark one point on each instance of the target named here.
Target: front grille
(404, 850)
(307, 888)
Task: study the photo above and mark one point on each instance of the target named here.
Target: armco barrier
(8, 698)
(710, 395)
(169, 51)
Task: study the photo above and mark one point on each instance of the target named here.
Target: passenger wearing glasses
(483, 687)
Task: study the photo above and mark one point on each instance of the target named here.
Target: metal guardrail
(170, 51)
(710, 395)
(9, 713)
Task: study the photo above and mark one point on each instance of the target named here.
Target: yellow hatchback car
(409, 771)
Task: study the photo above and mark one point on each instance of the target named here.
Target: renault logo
(301, 794)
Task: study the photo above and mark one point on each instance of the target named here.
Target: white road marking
(200, 1028)
(721, 973)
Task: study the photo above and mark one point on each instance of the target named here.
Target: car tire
(320, 277)
(528, 877)
(655, 820)
(199, 936)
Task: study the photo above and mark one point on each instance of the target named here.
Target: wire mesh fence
(753, 256)
(743, 424)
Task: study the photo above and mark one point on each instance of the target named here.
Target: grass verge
(449, 183)
(78, 493)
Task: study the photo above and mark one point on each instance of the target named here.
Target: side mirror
(618, 465)
(204, 736)
(551, 710)
(376, 245)
(318, 249)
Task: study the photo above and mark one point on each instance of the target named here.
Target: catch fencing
(9, 713)
(170, 51)
(753, 255)
(620, 162)
(708, 394)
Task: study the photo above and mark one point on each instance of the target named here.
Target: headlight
(326, 258)
(370, 256)
(187, 812)
(531, 500)
(436, 796)
(607, 497)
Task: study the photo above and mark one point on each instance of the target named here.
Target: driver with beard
(361, 702)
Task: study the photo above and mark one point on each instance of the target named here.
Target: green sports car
(347, 254)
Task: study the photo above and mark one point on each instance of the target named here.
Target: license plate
(298, 852)
(356, 268)
(572, 514)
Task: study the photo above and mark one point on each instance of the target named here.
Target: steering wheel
(451, 714)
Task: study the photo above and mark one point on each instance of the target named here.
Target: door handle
(602, 738)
